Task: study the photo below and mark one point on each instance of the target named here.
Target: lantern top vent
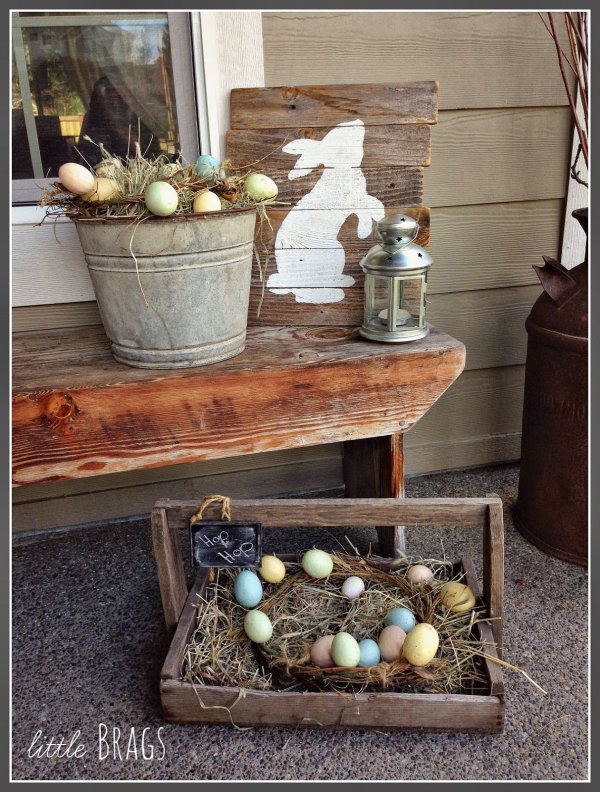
(397, 251)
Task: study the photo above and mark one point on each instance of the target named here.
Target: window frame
(190, 104)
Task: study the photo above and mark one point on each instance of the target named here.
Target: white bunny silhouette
(307, 249)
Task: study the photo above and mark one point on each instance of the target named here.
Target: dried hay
(302, 609)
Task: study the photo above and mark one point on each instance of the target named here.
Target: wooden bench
(305, 377)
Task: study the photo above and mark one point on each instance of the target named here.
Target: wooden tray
(383, 711)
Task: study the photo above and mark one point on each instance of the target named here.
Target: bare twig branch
(580, 131)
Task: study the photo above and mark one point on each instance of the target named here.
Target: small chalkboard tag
(222, 543)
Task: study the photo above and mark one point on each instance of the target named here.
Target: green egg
(317, 563)
(345, 650)
(257, 626)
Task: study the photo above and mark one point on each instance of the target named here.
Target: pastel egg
(207, 166)
(108, 167)
(391, 640)
(353, 587)
(421, 644)
(161, 198)
(317, 563)
(257, 626)
(76, 179)
(401, 617)
(272, 569)
(247, 589)
(457, 597)
(105, 191)
(419, 573)
(345, 650)
(260, 187)
(369, 653)
(206, 201)
(320, 652)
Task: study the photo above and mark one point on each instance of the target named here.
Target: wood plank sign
(343, 157)
(223, 543)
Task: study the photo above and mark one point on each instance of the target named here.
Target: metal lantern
(395, 283)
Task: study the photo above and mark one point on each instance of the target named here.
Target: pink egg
(320, 653)
(76, 179)
(419, 573)
(391, 641)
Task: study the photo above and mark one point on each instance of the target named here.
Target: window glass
(105, 76)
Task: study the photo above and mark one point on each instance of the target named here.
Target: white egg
(353, 587)
(76, 179)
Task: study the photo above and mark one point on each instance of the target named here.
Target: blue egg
(401, 617)
(369, 653)
(247, 589)
(206, 165)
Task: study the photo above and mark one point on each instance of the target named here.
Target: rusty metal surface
(552, 505)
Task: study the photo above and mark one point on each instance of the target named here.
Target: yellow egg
(421, 644)
(272, 569)
(391, 640)
(419, 574)
(206, 201)
(457, 597)
(106, 191)
(76, 179)
(320, 652)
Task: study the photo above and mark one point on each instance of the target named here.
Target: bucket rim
(180, 218)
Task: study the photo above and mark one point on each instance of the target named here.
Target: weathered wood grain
(493, 570)
(380, 711)
(83, 414)
(383, 146)
(167, 553)
(329, 105)
(394, 186)
(331, 513)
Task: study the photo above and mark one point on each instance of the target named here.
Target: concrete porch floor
(88, 645)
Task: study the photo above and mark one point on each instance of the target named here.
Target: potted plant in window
(551, 509)
(169, 249)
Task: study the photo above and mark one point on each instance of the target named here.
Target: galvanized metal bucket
(172, 292)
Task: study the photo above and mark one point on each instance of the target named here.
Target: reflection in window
(110, 81)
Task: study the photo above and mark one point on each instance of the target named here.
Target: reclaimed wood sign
(223, 543)
(343, 156)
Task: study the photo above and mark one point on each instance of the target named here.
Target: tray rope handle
(208, 501)
(169, 561)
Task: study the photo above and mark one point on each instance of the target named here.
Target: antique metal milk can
(552, 504)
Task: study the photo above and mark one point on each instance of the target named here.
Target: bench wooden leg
(374, 468)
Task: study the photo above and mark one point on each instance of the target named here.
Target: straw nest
(132, 175)
(302, 609)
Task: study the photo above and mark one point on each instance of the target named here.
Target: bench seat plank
(77, 412)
